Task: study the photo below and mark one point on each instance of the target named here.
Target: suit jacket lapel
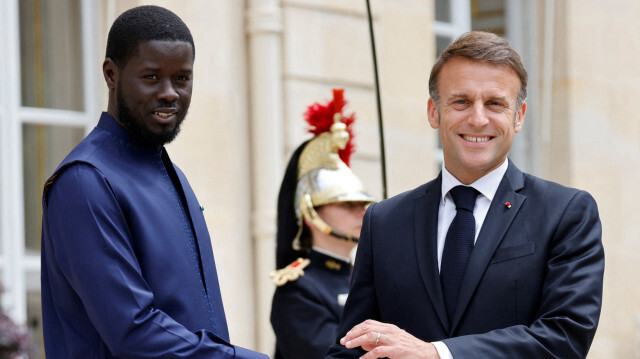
(426, 208)
(496, 224)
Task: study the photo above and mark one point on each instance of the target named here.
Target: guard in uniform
(320, 209)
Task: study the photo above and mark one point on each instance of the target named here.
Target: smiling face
(150, 95)
(476, 116)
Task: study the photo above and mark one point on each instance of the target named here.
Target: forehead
(162, 53)
(464, 76)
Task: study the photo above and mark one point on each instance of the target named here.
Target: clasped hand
(382, 340)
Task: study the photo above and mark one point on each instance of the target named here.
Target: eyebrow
(502, 98)
(156, 69)
(456, 96)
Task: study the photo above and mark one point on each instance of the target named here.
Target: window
(488, 15)
(47, 103)
(452, 19)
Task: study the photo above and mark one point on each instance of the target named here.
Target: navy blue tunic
(127, 264)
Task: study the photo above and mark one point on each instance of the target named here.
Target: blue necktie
(458, 245)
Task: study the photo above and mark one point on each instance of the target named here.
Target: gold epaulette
(290, 273)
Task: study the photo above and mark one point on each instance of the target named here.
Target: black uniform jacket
(305, 313)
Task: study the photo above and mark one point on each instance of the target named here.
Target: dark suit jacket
(532, 288)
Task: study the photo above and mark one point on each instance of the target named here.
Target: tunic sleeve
(87, 247)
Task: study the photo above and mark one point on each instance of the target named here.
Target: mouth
(476, 138)
(165, 115)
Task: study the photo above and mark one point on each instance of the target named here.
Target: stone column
(264, 30)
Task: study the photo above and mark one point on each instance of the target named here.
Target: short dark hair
(480, 46)
(142, 24)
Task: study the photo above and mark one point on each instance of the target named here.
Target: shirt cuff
(443, 350)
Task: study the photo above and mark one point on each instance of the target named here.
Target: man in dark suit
(529, 285)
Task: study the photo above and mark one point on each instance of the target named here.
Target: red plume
(338, 100)
(320, 118)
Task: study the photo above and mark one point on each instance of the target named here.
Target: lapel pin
(508, 204)
(202, 208)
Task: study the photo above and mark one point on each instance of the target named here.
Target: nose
(478, 116)
(168, 91)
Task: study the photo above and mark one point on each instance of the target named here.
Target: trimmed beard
(138, 130)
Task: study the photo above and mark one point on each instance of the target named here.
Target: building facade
(259, 63)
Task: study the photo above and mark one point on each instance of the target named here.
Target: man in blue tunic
(127, 263)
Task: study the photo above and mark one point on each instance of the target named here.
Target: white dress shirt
(487, 185)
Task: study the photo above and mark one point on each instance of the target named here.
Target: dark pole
(380, 128)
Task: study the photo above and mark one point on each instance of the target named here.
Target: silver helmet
(323, 177)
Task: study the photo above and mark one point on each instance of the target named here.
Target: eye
(496, 103)
(460, 104)
(183, 78)
(152, 77)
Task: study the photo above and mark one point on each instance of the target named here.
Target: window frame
(20, 270)
(460, 15)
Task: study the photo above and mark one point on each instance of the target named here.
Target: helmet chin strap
(345, 237)
(310, 213)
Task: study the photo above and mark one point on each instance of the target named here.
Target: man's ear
(520, 117)
(111, 74)
(433, 114)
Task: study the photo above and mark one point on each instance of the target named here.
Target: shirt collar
(487, 185)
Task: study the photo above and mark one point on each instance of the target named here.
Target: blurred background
(259, 63)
